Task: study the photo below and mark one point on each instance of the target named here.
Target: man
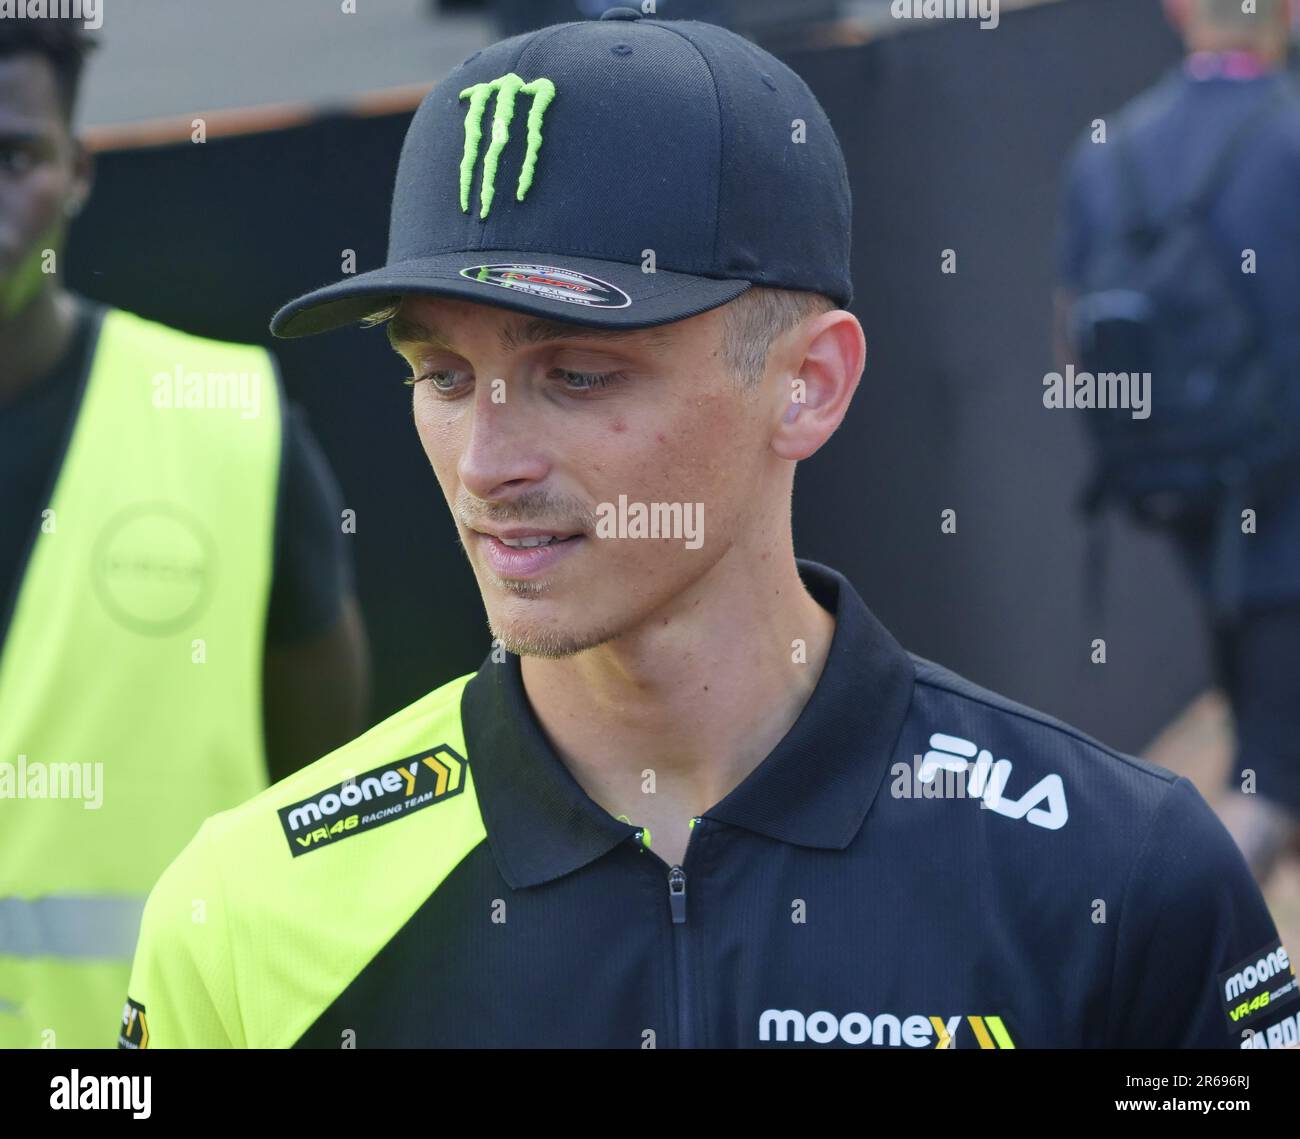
(677, 805)
(1229, 119)
(176, 616)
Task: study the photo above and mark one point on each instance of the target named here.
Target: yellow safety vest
(131, 672)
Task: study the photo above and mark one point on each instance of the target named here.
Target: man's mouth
(525, 552)
(537, 540)
(524, 537)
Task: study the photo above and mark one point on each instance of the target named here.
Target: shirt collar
(814, 789)
(1225, 65)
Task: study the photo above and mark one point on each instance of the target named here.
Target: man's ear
(83, 179)
(825, 364)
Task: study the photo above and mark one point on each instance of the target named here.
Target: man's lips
(526, 561)
(514, 533)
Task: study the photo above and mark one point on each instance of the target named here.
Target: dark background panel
(954, 138)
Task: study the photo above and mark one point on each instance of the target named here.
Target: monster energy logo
(507, 88)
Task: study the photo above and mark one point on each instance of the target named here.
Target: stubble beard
(549, 642)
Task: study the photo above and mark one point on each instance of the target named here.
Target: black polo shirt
(918, 863)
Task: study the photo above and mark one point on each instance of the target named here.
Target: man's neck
(698, 699)
(1262, 55)
(33, 341)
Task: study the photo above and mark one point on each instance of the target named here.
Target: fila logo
(987, 781)
(506, 88)
(884, 1029)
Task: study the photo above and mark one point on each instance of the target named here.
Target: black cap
(550, 172)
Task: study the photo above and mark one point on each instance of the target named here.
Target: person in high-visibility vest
(177, 625)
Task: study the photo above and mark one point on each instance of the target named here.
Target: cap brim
(605, 294)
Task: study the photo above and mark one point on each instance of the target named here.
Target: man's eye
(16, 159)
(446, 380)
(443, 380)
(586, 381)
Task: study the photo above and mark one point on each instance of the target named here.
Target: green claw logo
(506, 88)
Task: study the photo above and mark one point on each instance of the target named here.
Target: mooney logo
(882, 1030)
(987, 781)
(506, 88)
(1249, 989)
(373, 799)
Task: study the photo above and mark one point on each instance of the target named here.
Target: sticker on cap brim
(551, 283)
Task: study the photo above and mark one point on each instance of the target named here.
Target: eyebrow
(404, 330)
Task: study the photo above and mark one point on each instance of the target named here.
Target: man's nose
(503, 449)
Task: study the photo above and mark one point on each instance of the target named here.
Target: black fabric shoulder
(313, 565)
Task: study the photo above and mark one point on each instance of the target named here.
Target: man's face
(39, 175)
(531, 425)
(1185, 15)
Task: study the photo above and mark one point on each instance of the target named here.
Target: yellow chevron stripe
(981, 1033)
(440, 770)
(1000, 1032)
(132, 1019)
(454, 766)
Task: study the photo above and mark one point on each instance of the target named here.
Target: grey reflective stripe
(98, 927)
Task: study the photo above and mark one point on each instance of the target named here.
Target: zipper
(677, 895)
(684, 995)
(681, 960)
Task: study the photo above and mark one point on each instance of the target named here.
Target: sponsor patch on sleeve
(372, 799)
(1262, 983)
(134, 1032)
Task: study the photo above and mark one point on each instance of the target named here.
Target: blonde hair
(756, 318)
